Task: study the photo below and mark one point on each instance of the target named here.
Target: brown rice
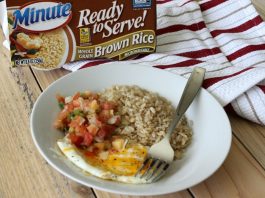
(146, 117)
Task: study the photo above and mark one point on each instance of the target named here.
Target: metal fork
(161, 155)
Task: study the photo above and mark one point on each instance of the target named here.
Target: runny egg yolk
(124, 163)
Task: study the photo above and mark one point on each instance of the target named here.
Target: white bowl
(212, 132)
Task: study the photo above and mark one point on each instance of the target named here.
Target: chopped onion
(81, 102)
(98, 139)
(92, 119)
(113, 119)
(125, 143)
(82, 121)
(68, 99)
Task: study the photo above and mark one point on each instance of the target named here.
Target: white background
(3, 21)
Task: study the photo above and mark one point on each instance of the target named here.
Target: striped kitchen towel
(227, 38)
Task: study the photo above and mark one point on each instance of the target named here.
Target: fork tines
(152, 169)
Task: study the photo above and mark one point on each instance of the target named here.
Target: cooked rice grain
(146, 117)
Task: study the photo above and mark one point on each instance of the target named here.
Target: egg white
(72, 154)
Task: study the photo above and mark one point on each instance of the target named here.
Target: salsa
(89, 122)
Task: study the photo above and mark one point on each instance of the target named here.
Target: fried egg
(119, 165)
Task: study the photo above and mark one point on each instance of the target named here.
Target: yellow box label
(85, 36)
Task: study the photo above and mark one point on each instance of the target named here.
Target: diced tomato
(108, 128)
(60, 98)
(81, 129)
(89, 154)
(76, 96)
(93, 129)
(73, 123)
(96, 150)
(108, 105)
(63, 115)
(58, 124)
(98, 122)
(118, 121)
(104, 116)
(75, 139)
(76, 103)
(88, 139)
(77, 122)
(101, 134)
(69, 107)
(105, 131)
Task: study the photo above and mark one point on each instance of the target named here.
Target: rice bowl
(211, 134)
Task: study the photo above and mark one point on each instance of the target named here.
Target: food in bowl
(108, 134)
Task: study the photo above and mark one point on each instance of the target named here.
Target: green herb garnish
(61, 105)
(71, 116)
(78, 112)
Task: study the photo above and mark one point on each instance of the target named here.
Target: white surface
(212, 132)
(3, 22)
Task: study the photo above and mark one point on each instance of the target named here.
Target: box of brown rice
(48, 34)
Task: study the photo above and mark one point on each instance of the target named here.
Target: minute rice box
(48, 34)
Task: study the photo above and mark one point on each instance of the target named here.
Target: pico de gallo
(89, 122)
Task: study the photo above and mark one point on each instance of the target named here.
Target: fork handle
(190, 91)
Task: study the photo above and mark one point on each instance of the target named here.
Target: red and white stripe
(227, 38)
